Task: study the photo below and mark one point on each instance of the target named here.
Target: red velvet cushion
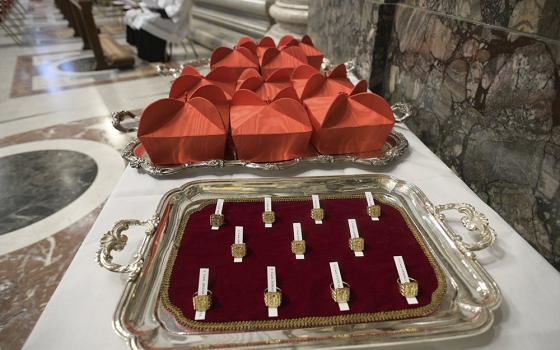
(238, 287)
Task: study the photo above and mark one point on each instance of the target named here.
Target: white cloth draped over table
(172, 29)
(79, 314)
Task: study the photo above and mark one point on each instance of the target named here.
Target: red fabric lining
(238, 287)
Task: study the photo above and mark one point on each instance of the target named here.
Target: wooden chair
(11, 20)
(108, 53)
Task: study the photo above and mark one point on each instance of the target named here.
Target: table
(80, 311)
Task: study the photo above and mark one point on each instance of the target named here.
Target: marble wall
(484, 78)
(540, 17)
(345, 29)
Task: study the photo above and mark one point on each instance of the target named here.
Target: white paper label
(202, 290)
(218, 211)
(354, 233)
(369, 198)
(238, 234)
(238, 240)
(316, 205)
(403, 275)
(353, 228)
(267, 204)
(267, 207)
(219, 206)
(271, 278)
(298, 236)
(271, 285)
(337, 283)
(370, 201)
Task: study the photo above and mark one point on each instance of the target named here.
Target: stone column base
(290, 17)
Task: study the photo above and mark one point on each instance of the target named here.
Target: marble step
(250, 7)
(211, 36)
(250, 26)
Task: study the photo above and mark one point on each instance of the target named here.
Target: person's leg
(131, 35)
(150, 47)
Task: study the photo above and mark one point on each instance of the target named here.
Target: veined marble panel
(487, 91)
(488, 104)
(540, 17)
(29, 276)
(344, 30)
(39, 183)
(78, 193)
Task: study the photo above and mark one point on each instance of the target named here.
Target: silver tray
(394, 147)
(465, 310)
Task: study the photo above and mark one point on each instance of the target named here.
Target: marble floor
(59, 154)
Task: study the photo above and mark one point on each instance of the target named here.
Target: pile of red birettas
(263, 103)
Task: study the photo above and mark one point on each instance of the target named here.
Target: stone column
(290, 17)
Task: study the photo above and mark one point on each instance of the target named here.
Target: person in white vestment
(150, 23)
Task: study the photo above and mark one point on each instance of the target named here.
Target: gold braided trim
(301, 322)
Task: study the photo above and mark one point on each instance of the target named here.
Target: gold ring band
(317, 214)
(273, 299)
(216, 220)
(202, 303)
(374, 211)
(268, 217)
(340, 295)
(298, 247)
(408, 289)
(238, 250)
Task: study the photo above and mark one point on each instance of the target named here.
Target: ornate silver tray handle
(115, 240)
(466, 308)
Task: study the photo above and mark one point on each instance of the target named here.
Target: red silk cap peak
(239, 59)
(174, 132)
(268, 130)
(189, 81)
(349, 124)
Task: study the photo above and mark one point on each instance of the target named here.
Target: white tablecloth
(80, 311)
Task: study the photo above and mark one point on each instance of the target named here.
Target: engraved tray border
(466, 308)
(394, 147)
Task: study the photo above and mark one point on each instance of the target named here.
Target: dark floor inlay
(83, 64)
(37, 184)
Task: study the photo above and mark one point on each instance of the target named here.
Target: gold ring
(238, 250)
(408, 289)
(202, 302)
(317, 214)
(268, 217)
(273, 299)
(356, 244)
(341, 295)
(298, 247)
(374, 211)
(216, 220)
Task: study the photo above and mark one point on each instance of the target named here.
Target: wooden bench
(108, 53)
